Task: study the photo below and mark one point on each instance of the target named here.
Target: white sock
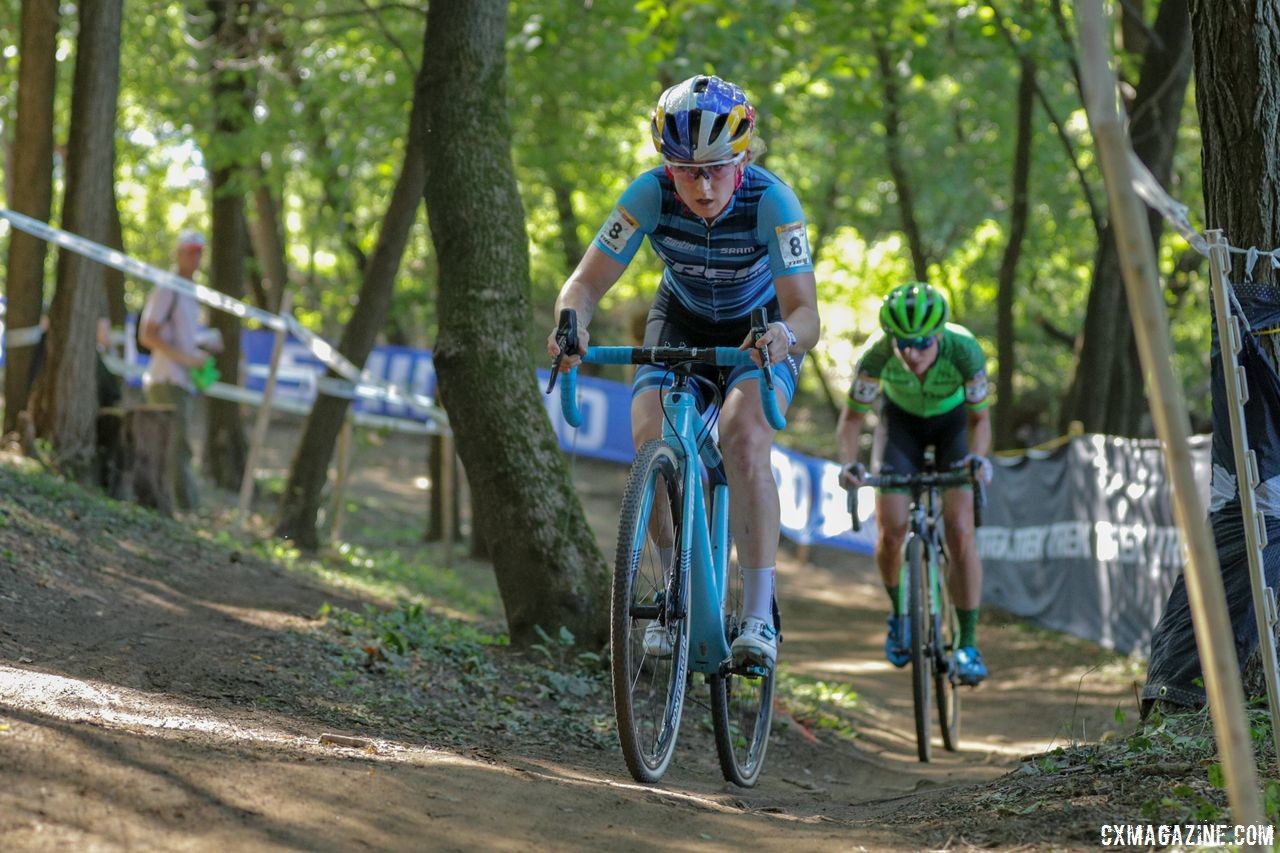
(757, 593)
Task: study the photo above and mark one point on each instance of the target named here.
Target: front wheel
(649, 672)
(944, 678)
(921, 655)
(741, 703)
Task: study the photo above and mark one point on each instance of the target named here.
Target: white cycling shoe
(657, 640)
(757, 644)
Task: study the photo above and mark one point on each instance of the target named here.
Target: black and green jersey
(959, 375)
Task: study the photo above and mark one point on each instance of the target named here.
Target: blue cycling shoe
(895, 644)
(970, 669)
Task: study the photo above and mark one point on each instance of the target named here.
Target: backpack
(137, 327)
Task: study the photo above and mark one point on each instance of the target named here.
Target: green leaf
(1216, 778)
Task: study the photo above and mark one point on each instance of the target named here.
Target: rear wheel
(741, 703)
(649, 685)
(921, 656)
(944, 681)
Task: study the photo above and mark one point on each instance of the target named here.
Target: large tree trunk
(32, 193)
(1106, 393)
(1006, 405)
(226, 446)
(310, 469)
(65, 402)
(548, 566)
(1237, 49)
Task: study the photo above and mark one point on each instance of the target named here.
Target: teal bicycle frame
(704, 553)
(690, 600)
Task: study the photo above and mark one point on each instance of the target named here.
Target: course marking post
(263, 419)
(338, 505)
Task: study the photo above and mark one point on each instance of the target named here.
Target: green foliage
(332, 85)
(817, 704)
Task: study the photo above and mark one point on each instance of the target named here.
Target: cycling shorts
(671, 324)
(902, 438)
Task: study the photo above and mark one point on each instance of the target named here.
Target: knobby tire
(648, 691)
(944, 681)
(741, 706)
(921, 655)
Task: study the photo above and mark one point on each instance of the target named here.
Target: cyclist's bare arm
(798, 302)
(595, 274)
(979, 432)
(848, 431)
(798, 307)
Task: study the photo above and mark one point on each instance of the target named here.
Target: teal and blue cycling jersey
(718, 271)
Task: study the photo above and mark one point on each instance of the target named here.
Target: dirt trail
(139, 710)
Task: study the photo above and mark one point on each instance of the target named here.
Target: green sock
(894, 592)
(968, 627)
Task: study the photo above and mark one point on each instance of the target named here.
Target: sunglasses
(695, 171)
(915, 343)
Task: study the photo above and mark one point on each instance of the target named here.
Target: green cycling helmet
(913, 310)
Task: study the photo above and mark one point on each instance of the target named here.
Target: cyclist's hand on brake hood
(571, 359)
(983, 470)
(853, 475)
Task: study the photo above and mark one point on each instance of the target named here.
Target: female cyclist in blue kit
(732, 238)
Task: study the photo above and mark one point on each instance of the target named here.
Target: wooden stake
(338, 506)
(263, 419)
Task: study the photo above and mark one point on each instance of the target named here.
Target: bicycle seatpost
(759, 327)
(566, 339)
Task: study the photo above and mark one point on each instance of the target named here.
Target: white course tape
(119, 260)
(438, 425)
(357, 386)
(1174, 212)
(28, 337)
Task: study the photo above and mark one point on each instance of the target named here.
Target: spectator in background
(169, 327)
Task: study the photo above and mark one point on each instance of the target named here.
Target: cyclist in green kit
(933, 377)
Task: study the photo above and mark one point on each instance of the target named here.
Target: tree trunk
(113, 280)
(32, 194)
(226, 447)
(1237, 49)
(897, 166)
(548, 566)
(65, 401)
(267, 234)
(1106, 394)
(309, 471)
(1006, 405)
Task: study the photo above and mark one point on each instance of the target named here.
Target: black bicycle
(925, 600)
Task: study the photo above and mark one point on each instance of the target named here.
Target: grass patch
(408, 668)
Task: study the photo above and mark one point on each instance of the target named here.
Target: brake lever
(566, 339)
(760, 327)
(851, 503)
(979, 493)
